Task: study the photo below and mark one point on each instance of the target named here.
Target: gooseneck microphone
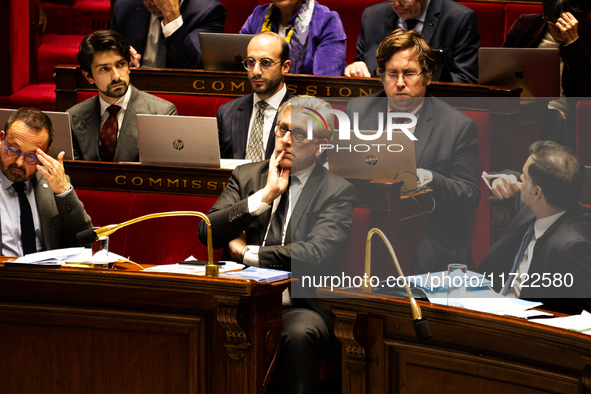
(91, 235)
(420, 324)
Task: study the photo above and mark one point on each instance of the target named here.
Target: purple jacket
(326, 45)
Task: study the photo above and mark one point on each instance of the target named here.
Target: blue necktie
(526, 239)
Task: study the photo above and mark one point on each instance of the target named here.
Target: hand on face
(277, 178)
(568, 26)
(168, 9)
(505, 186)
(53, 171)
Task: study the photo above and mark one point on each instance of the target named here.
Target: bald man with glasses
(39, 210)
(246, 125)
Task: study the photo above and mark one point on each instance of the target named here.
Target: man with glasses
(246, 125)
(39, 209)
(290, 213)
(444, 24)
(446, 148)
(104, 127)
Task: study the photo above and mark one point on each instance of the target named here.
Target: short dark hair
(559, 172)
(33, 119)
(284, 55)
(401, 40)
(554, 8)
(100, 41)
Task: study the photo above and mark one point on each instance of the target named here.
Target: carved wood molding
(586, 375)
(236, 343)
(347, 328)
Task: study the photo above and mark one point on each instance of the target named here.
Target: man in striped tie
(545, 253)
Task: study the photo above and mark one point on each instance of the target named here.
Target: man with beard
(246, 125)
(39, 209)
(104, 127)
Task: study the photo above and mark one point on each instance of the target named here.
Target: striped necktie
(254, 151)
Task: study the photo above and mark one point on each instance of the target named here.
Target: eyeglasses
(15, 154)
(401, 2)
(265, 64)
(548, 21)
(297, 135)
(406, 77)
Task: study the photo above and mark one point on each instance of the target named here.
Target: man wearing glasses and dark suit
(246, 125)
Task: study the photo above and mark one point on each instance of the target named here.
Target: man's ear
(88, 77)
(322, 144)
(285, 67)
(538, 193)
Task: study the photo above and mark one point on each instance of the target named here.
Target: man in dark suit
(164, 33)
(446, 147)
(241, 133)
(444, 24)
(545, 253)
(104, 127)
(263, 221)
(39, 209)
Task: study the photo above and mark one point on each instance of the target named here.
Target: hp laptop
(224, 52)
(62, 136)
(535, 70)
(178, 140)
(376, 159)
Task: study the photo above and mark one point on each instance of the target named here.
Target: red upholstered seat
(40, 96)
(56, 49)
(491, 22)
(584, 131)
(481, 221)
(237, 13)
(91, 15)
(512, 12)
(354, 256)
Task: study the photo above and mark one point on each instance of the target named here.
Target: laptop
(178, 140)
(233, 53)
(535, 70)
(358, 158)
(62, 135)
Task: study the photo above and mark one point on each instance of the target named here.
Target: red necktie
(109, 134)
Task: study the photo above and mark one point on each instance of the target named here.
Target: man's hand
(569, 27)
(53, 171)
(236, 246)
(425, 176)
(505, 186)
(135, 57)
(277, 179)
(357, 69)
(170, 10)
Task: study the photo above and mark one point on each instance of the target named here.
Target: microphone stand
(420, 324)
(211, 269)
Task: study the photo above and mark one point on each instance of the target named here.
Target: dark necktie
(275, 234)
(108, 134)
(160, 58)
(524, 243)
(411, 23)
(27, 224)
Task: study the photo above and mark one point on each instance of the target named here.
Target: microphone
(91, 235)
(420, 324)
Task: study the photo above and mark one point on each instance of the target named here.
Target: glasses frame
(259, 63)
(293, 137)
(19, 154)
(405, 76)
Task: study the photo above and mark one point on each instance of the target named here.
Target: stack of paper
(259, 274)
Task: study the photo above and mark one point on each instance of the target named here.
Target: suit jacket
(61, 217)
(85, 119)
(233, 121)
(565, 248)
(528, 31)
(131, 18)
(316, 234)
(447, 146)
(448, 26)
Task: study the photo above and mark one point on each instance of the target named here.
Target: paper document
(50, 257)
(580, 323)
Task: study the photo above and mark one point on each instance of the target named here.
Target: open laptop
(223, 51)
(178, 140)
(62, 136)
(535, 70)
(357, 158)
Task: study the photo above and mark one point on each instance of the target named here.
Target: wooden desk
(107, 331)
(470, 352)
